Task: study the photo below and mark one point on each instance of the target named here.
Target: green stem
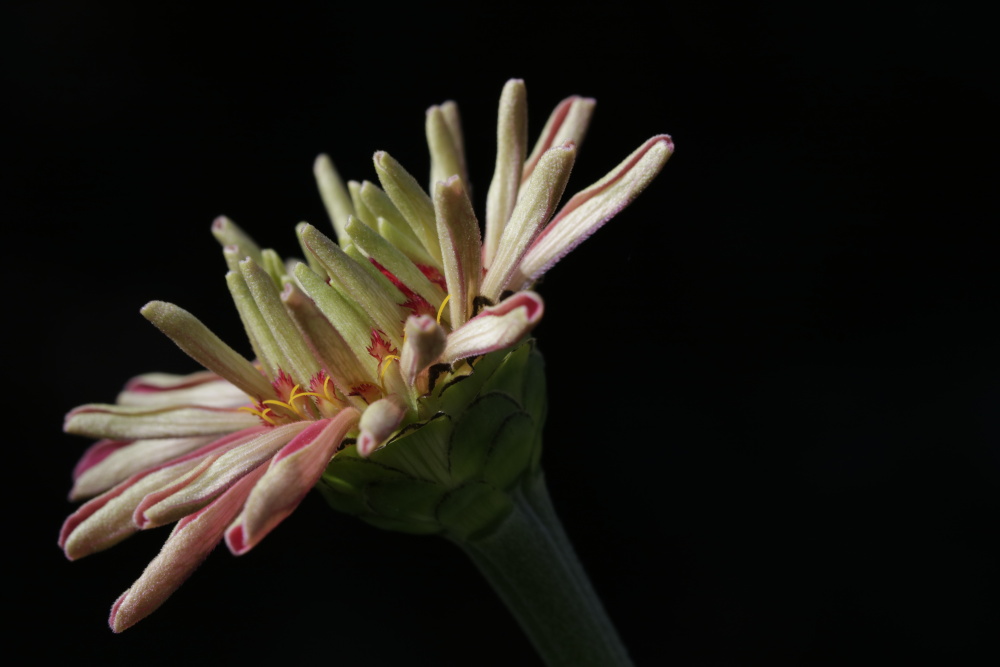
(532, 566)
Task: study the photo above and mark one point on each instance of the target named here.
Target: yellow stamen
(262, 415)
(285, 405)
(385, 365)
(441, 309)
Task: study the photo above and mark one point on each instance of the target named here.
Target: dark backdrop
(774, 380)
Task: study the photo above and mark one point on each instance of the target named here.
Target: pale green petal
(335, 196)
(536, 205)
(512, 144)
(205, 347)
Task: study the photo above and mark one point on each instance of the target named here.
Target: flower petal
(335, 197)
(378, 422)
(205, 347)
(495, 327)
(410, 199)
(355, 283)
(217, 393)
(293, 471)
(192, 539)
(512, 145)
(125, 461)
(567, 122)
(179, 500)
(107, 519)
(589, 209)
(536, 204)
(125, 422)
(444, 138)
(425, 341)
(458, 230)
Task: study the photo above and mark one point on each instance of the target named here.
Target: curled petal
(495, 327)
(192, 539)
(196, 491)
(293, 471)
(589, 209)
(107, 519)
(536, 203)
(567, 122)
(378, 422)
(425, 341)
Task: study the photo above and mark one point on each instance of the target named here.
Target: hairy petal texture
(122, 422)
(589, 209)
(293, 471)
(496, 327)
(192, 539)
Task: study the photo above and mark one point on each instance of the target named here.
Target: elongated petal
(512, 144)
(296, 357)
(460, 247)
(378, 205)
(107, 519)
(125, 461)
(205, 347)
(536, 205)
(174, 502)
(192, 539)
(355, 326)
(293, 471)
(378, 422)
(228, 233)
(589, 209)
(355, 282)
(218, 393)
(398, 264)
(410, 199)
(495, 328)
(444, 139)
(123, 422)
(335, 196)
(567, 122)
(327, 343)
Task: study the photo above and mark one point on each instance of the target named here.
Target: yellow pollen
(441, 309)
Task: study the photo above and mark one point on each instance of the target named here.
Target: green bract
(452, 472)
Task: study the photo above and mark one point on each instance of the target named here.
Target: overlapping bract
(348, 344)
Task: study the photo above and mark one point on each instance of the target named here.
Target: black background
(774, 380)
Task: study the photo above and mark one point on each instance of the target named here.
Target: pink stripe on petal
(495, 328)
(193, 538)
(96, 453)
(293, 471)
(117, 523)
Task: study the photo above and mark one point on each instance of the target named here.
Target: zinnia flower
(349, 344)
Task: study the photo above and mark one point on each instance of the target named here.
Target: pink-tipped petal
(107, 519)
(378, 422)
(197, 490)
(293, 471)
(192, 539)
(97, 452)
(121, 422)
(495, 327)
(589, 209)
(103, 467)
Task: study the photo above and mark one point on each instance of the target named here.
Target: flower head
(352, 347)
